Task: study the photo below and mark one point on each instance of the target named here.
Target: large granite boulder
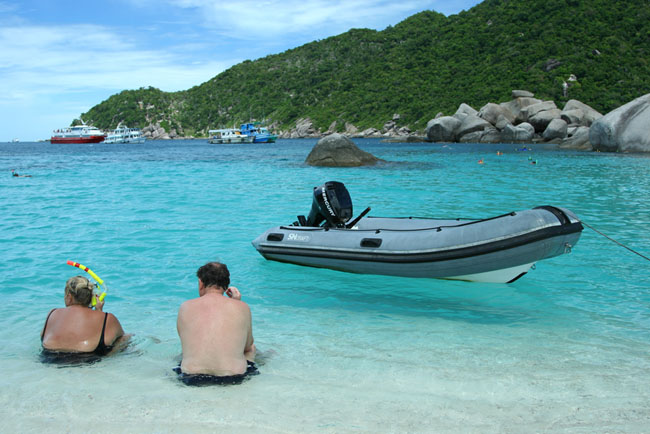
(501, 122)
(371, 132)
(491, 113)
(541, 120)
(473, 137)
(491, 135)
(589, 115)
(624, 129)
(572, 117)
(556, 129)
(350, 129)
(336, 150)
(578, 138)
(443, 129)
(472, 123)
(304, 128)
(534, 109)
(465, 109)
(522, 94)
(516, 107)
(523, 132)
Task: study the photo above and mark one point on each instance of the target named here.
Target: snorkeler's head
(214, 274)
(80, 289)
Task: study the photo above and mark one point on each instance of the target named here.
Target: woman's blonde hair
(80, 289)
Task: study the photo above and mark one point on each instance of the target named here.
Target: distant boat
(78, 134)
(124, 134)
(15, 141)
(260, 134)
(228, 135)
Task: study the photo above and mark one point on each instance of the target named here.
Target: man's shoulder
(207, 303)
(189, 304)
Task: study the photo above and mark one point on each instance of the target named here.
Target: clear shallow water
(565, 348)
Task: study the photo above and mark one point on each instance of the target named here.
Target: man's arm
(249, 350)
(179, 319)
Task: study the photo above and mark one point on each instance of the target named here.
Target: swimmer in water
(77, 333)
(16, 175)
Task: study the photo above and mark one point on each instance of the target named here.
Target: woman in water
(77, 333)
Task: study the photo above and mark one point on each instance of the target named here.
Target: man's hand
(233, 293)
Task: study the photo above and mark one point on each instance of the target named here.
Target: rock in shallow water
(337, 150)
(624, 129)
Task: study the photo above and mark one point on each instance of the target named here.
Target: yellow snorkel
(99, 281)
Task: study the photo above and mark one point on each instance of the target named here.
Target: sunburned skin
(216, 332)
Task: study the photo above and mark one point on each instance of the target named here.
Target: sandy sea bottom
(564, 349)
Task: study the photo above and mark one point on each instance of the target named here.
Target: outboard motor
(332, 204)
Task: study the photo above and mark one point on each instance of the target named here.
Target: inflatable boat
(499, 249)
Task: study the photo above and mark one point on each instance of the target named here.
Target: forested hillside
(424, 65)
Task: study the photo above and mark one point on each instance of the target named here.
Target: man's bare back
(216, 332)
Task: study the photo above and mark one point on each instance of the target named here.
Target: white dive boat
(499, 249)
(124, 134)
(228, 135)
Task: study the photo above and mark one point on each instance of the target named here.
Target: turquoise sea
(564, 349)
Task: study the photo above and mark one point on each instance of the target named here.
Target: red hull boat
(78, 134)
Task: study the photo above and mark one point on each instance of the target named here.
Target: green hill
(426, 64)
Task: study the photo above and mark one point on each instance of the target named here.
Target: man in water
(216, 331)
(15, 174)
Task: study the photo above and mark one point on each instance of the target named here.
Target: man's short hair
(214, 274)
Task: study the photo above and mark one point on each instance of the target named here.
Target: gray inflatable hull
(499, 249)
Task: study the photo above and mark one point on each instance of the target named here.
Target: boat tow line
(614, 241)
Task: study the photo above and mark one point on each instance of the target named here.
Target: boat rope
(613, 240)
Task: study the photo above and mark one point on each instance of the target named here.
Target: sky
(59, 58)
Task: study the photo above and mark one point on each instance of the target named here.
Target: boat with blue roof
(259, 133)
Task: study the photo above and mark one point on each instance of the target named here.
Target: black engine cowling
(331, 206)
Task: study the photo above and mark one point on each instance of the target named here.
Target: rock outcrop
(521, 94)
(471, 124)
(588, 114)
(494, 113)
(577, 138)
(556, 129)
(443, 129)
(304, 128)
(336, 150)
(155, 132)
(523, 119)
(523, 132)
(624, 129)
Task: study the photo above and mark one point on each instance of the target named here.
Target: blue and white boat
(259, 134)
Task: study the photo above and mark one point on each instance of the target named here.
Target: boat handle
(275, 237)
(371, 242)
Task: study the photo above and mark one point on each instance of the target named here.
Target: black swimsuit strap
(45, 326)
(101, 345)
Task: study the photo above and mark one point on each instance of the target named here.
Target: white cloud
(251, 19)
(40, 60)
(53, 74)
